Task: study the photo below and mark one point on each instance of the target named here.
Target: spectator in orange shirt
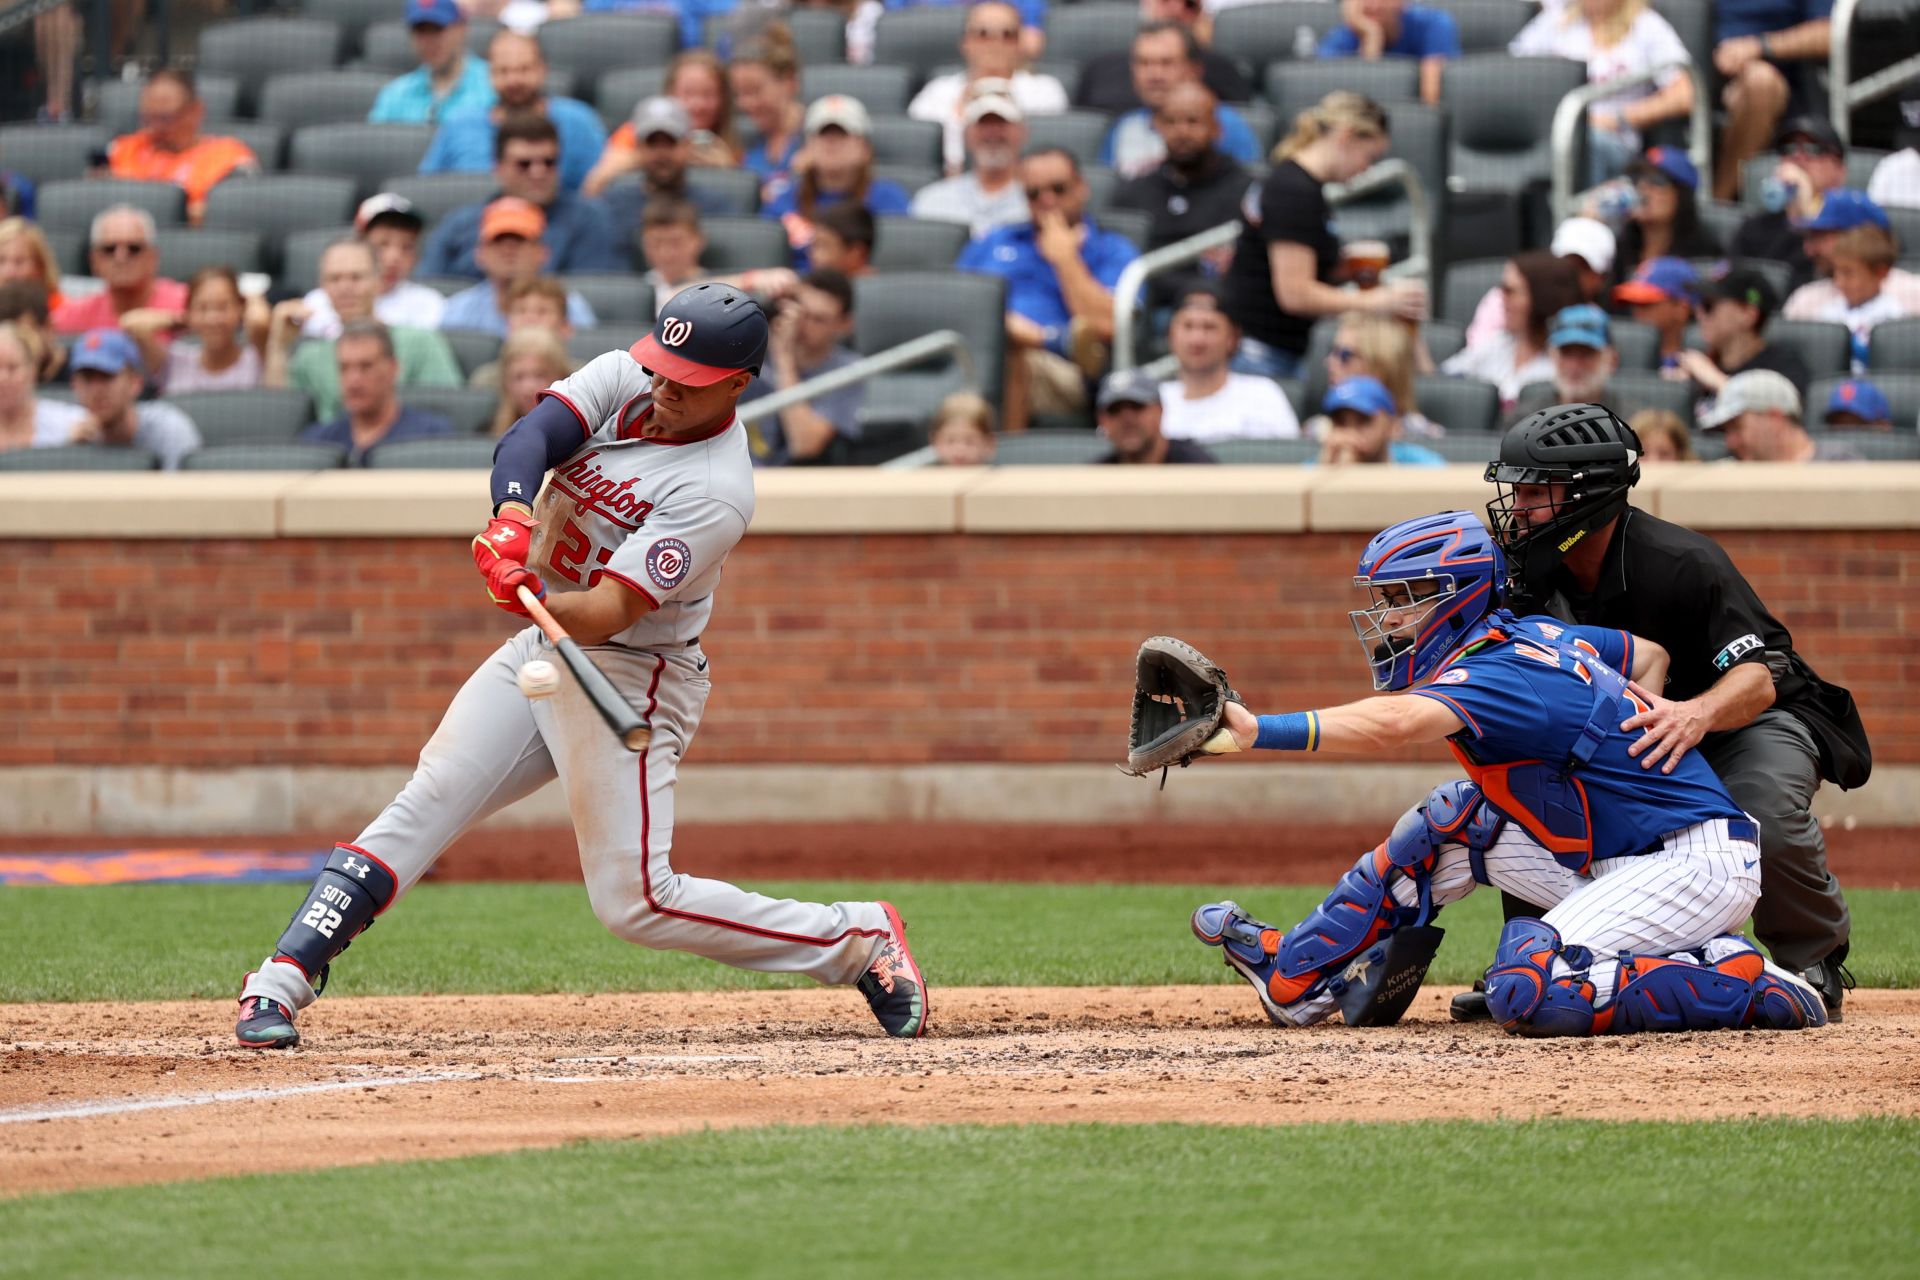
(123, 255)
(169, 146)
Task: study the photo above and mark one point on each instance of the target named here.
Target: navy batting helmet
(706, 332)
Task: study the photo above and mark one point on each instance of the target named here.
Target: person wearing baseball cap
(658, 144)
(1662, 293)
(107, 380)
(987, 195)
(1758, 414)
(1813, 161)
(1858, 405)
(1592, 246)
(1128, 410)
(1364, 427)
(835, 164)
(448, 81)
(1735, 305)
(511, 250)
(1580, 344)
(1850, 217)
(993, 47)
(391, 227)
(527, 155)
(1664, 220)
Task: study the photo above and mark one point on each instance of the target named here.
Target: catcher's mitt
(1179, 701)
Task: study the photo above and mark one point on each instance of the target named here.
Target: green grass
(185, 941)
(1558, 1199)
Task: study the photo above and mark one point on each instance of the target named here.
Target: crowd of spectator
(90, 359)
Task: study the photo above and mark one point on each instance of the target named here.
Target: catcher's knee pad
(1525, 997)
(1455, 811)
(349, 892)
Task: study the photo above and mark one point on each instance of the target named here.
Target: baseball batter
(1648, 873)
(651, 486)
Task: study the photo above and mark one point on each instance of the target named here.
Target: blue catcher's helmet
(1431, 578)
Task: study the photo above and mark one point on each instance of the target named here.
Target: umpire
(1769, 726)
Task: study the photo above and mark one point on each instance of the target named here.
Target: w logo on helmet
(675, 331)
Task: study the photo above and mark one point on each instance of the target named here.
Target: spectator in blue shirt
(693, 14)
(1060, 271)
(1766, 50)
(518, 70)
(1033, 20)
(448, 81)
(1373, 29)
(369, 378)
(579, 233)
(510, 252)
(1166, 54)
(835, 165)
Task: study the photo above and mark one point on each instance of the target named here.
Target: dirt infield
(106, 1094)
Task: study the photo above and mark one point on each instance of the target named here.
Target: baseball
(539, 679)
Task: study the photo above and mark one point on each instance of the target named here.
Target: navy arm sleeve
(532, 447)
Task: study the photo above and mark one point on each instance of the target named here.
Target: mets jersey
(1541, 735)
(657, 515)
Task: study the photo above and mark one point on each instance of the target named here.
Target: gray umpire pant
(1772, 769)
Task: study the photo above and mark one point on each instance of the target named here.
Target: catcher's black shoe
(265, 1024)
(1471, 1006)
(1832, 980)
(892, 984)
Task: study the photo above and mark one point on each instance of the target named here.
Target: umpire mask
(1563, 472)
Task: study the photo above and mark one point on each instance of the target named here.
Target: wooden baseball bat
(633, 732)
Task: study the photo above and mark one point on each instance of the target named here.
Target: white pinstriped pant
(494, 747)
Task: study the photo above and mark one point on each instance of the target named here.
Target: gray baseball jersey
(659, 516)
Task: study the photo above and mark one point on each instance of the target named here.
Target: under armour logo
(513, 486)
(356, 867)
(675, 331)
(505, 535)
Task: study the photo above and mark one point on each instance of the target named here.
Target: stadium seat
(1629, 393)
(184, 250)
(1444, 338)
(277, 205)
(1260, 34)
(593, 44)
(50, 152)
(1264, 123)
(1692, 20)
(267, 141)
(915, 244)
(384, 46)
(1043, 447)
(1502, 110)
(1487, 26)
(1894, 347)
(1466, 283)
(299, 99)
(1419, 137)
(882, 89)
(258, 415)
(69, 249)
(1901, 389)
(471, 347)
(1721, 220)
(919, 38)
(904, 140)
(1880, 446)
(1131, 223)
(615, 298)
(1102, 183)
(1079, 33)
(896, 306)
(590, 344)
(469, 409)
(434, 455)
(1906, 227)
(1462, 405)
(366, 153)
(289, 456)
(1469, 446)
(1823, 348)
(1292, 86)
(1080, 133)
(79, 457)
(252, 49)
(447, 285)
(617, 93)
(738, 188)
(299, 268)
(1638, 345)
(908, 177)
(1296, 392)
(819, 35)
(736, 243)
(354, 17)
(1258, 452)
(435, 195)
(73, 202)
(118, 111)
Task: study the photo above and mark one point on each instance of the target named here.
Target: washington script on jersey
(593, 490)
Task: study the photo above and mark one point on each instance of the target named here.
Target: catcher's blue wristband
(1295, 731)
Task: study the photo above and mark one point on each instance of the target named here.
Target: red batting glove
(508, 536)
(505, 578)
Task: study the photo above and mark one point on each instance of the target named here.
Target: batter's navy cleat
(1249, 947)
(265, 1024)
(892, 984)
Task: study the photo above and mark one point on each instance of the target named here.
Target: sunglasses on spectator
(121, 249)
(993, 33)
(1049, 188)
(526, 164)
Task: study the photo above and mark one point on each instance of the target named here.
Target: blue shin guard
(349, 892)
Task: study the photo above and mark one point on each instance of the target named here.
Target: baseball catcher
(1647, 873)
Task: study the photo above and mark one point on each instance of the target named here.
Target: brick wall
(876, 649)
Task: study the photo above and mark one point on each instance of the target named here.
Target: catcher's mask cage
(1405, 612)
